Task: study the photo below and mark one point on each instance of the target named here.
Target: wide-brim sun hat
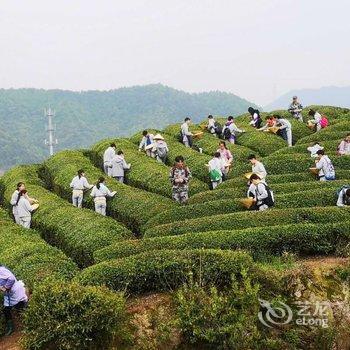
(158, 137)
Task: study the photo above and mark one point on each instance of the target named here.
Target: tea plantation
(86, 272)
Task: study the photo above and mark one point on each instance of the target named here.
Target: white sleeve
(86, 184)
(13, 200)
(72, 183)
(142, 143)
(261, 192)
(319, 164)
(126, 166)
(108, 192)
(27, 205)
(93, 192)
(340, 202)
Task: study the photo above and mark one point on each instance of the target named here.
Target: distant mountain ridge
(83, 118)
(326, 96)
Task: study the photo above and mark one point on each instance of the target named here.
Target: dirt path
(11, 342)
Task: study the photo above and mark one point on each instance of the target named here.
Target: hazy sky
(257, 49)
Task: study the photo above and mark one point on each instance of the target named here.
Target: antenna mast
(50, 129)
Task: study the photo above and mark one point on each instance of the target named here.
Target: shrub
(31, 258)
(279, 188)
(71, 316)
(78, 232)
(241, 183)
(165, 270)
(261, 142)
(133, 206)
(146, 173)
(324, 135)
(222, 320)
(223, 206)
(329, 111)
(241, 220)
(300, 238)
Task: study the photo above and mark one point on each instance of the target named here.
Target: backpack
(215, 175)
(324, 122)
(227, 133)
(346, 200)
(270, 200)
(218, 128)
(162, 152)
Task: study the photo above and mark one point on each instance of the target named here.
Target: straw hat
(158, 137)
(247, 202)
(248, 175)
(198, 134)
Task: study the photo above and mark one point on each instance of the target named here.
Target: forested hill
(82, 118)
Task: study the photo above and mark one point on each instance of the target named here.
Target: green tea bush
(241, 220)
(217, 319)
(146, 173)
(303, 238)
(223, 206)
(332, 113)
(280, 189)
(324, 135)
(30, 257)
(77, 232)
(133, 206)
(241, 183)
(71, 316)
(166, 270)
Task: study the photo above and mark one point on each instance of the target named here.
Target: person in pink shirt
(226, 157)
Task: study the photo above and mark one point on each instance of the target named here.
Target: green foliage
(70, 316)
(332, 113)
(78, 232)
(133, 206)
(30, 257)
(87, 116)
(225, 206)
(223, 320)
(299, 238)
(279, 189)
(146, 173)
(165, 270)
(324, 135)
(241, 220)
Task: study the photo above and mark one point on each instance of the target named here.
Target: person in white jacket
(24, 209)
(325, 167)
(20, 187)
(146, 143)
(211, 125)
(261, 194)
(107, 158)
(216, 168)
(258, 168)
(344, 146)
(316, 119)
(285, 129)
(78, 185)
(99, 193)
(230, 130)
(119, 165)
(295, 108)
(160, 149)
(187, 136)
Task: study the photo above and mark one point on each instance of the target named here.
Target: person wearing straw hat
(313, 148)
(160, 148)
(78, 185)
(258, 168)
(325, 167)
(107, 158)
(15, 296)
(295, 109)
(146, 143)
(119, 165)
(99, 193)
(25, 209)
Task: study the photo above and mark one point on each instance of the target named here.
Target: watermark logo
(305, 313)
(276, 315)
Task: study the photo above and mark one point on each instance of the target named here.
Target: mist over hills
(326, 96)
(83, 118)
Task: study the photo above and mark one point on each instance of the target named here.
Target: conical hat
(158, 137)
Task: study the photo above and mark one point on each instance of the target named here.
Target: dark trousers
(7, 309)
